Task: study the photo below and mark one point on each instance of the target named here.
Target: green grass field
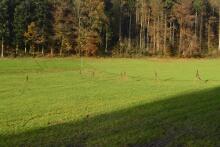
(111, 102)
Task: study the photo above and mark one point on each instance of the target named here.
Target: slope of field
(109, 102)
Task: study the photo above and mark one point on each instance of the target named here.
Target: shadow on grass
(186, 120)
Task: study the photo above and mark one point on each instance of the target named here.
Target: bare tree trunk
(170, 36)
(30, 49)
(42, 51)
(154, 42)
(200, 33)
(196, 25)
(25, 47)
(165, 34)
(219, 30)
(148, 31)
(120, 29)
(16, 50)
(33, 50)
(61, 47)
(173, 35)
(158, 33)
(180, 41)
(2, 52)
(129, 40)
(144, 40)
(141, 33)
(79, 24)
(51, 52)
(209, 40)
(106, 41)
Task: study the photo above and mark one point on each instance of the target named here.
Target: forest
(125, 28)
(109, 73)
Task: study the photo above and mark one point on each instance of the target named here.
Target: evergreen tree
(93, 19)
(4, 30)
(23, 16)
(64, 24)
(43, 21)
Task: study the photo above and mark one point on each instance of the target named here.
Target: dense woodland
(184, 28)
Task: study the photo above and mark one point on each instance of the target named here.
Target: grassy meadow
(109, 102)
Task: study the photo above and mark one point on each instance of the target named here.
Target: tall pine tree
(4, 17)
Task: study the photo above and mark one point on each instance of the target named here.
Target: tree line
(182, 28)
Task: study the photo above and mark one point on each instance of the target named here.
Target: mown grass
(109, 102)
